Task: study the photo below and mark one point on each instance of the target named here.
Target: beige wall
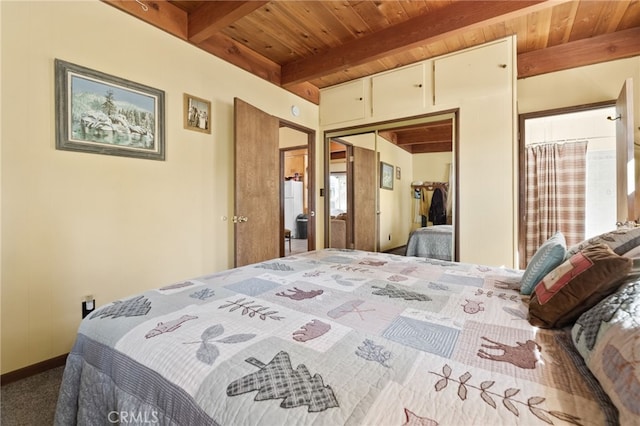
(430, 167)
(580, 86)
(395, 205)
(75, 224)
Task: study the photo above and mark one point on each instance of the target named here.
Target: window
(338, 202)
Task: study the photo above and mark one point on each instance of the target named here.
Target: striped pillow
(548, 256)
(621, 241)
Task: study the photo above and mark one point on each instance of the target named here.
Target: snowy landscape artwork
(104, 114)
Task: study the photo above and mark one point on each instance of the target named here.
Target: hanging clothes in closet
(424, 195)
(424, 207)
(438, 210)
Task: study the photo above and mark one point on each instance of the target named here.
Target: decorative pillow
(547, 257)
(576, 285)
(621, 240)
(608, 338)
(634, 252)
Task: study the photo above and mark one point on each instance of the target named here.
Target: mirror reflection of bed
(432, 205)
(420, 150)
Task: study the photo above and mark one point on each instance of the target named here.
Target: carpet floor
(398, 250)
(31, 401)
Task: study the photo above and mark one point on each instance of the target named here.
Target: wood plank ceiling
(304, 46)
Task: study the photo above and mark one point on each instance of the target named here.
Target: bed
(331, 337)
(434, 242)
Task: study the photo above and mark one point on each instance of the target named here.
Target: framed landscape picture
(104, 114)
(197, 114)
(386, 175)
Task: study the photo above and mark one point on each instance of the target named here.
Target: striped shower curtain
(555, 185)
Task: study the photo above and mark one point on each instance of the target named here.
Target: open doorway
(568, 178)
(259, 232)
(298, 211)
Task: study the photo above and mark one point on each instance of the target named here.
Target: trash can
(301, 226)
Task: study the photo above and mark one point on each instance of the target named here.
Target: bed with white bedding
(433, 242)
(332, 337)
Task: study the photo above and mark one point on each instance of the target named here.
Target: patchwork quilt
(333, 337)
(434, 242)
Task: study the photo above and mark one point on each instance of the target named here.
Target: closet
(432, 203)
(478, 86)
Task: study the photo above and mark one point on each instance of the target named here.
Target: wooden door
(625, 175)
(257, 185)
(364, 199)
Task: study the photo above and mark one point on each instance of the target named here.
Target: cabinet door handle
(419, 85)
(502, 65)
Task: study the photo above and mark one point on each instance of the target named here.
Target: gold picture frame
(197, 114)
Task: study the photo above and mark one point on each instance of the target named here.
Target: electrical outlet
(88, 305)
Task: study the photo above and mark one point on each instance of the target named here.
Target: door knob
(312, 213)
(240, 219)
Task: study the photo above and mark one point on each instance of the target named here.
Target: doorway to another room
(568, 178)
(295, 189)
(258, 219)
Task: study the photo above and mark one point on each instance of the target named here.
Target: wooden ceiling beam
(432, 147)
(306, 91)
(159, 13)
(434, 26)
(175, 21)
(426, 135)
(589, 51)
(241, 56)
(213, 16)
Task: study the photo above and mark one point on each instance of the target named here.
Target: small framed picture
(386, 175)
(197, 114)
(398, 173)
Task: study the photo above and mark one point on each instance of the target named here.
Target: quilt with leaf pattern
(331, 337)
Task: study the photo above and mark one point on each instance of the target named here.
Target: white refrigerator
(293, 205)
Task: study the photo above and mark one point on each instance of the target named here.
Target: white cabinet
(402, 91)
(344, 102)
(483, 71)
